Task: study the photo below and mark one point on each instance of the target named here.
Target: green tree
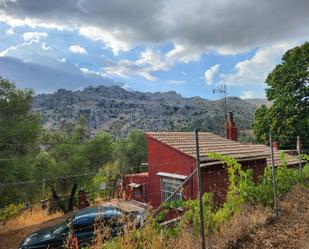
(288, 89)
(19, 134)
(131, 152)
(65, 157)
(262, 124)
(98, 150)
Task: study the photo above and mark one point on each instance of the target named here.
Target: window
(168, 186)
(83, 225)
(137, 192)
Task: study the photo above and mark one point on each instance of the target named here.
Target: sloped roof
(208, 142)
(291, 160)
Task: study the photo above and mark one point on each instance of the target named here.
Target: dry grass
(240, 225)
(28, 218)
(253, 227)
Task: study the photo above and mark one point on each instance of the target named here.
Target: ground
(289, 231)
(12, 238)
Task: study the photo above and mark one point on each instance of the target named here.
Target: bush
(10, 212)
(242, 190)
(285, 179)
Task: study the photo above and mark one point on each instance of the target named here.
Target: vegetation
(36, 164)
(9, 212)
(19, 141)
(288, 89)
(243, 195)
(70, 159)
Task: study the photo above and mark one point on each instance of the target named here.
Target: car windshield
(62, 227)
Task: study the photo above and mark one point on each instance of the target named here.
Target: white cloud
(253, 94)
(127, 88)
(31, 39)
(109, 38)
(15, 21)
(36, 36)
(248, 94)
(147, 63)
(255, 70)
(176, 82)
(50, 76)
(10, 32)
(224, 26)
(87, 71)
(44, 46)
(62, 60)
(153, 60)
(183, 54)
(11, 49)
(76, 49)
(211, 73)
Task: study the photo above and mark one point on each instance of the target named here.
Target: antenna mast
(222, 91)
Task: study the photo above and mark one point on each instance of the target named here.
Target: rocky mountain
(259, 102)
(119, 111)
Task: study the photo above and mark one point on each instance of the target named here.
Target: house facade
(172, 158)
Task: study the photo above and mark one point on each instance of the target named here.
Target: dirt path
(11, 239)
(289, 231)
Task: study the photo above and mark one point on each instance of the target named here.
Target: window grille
(168, 186)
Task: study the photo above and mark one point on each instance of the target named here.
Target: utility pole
(273, 174)
(299, 158)
(222, 91)
(200, 194)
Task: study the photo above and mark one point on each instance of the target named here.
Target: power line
(46, 180)
(62, 177)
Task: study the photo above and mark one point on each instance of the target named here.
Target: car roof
(93, 211)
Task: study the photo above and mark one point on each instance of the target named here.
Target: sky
(190, 47)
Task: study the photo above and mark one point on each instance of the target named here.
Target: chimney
(276, 145)
(231, 129)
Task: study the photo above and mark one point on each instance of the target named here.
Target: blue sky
(190, 48)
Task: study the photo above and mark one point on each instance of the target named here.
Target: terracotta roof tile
(185, 142)
(291, 160)
(209, 142)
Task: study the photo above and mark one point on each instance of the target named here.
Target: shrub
(10, 212)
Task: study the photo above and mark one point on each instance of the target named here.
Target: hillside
(259, 102)
(117, 110)
(252, 229)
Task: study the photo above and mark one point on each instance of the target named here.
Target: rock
(115, 109)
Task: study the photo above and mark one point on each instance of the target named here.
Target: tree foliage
(131, 152)
(68, 159)
(262, 123)
(19, 133)
(288, 89)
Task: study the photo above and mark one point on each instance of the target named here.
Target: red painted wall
(141, 179)
(163, 158)
(215, 178)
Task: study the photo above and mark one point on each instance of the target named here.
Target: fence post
(273, 174)
(299, 157)
(200, 193)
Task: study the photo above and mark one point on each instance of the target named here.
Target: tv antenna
(222, 91)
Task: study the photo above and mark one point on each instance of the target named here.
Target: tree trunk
(71, 199)
(58, 200)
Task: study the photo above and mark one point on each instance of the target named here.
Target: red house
(172, 157)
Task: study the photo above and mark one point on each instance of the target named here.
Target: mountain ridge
(117, 110)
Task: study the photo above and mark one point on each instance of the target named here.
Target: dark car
(106, 220)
